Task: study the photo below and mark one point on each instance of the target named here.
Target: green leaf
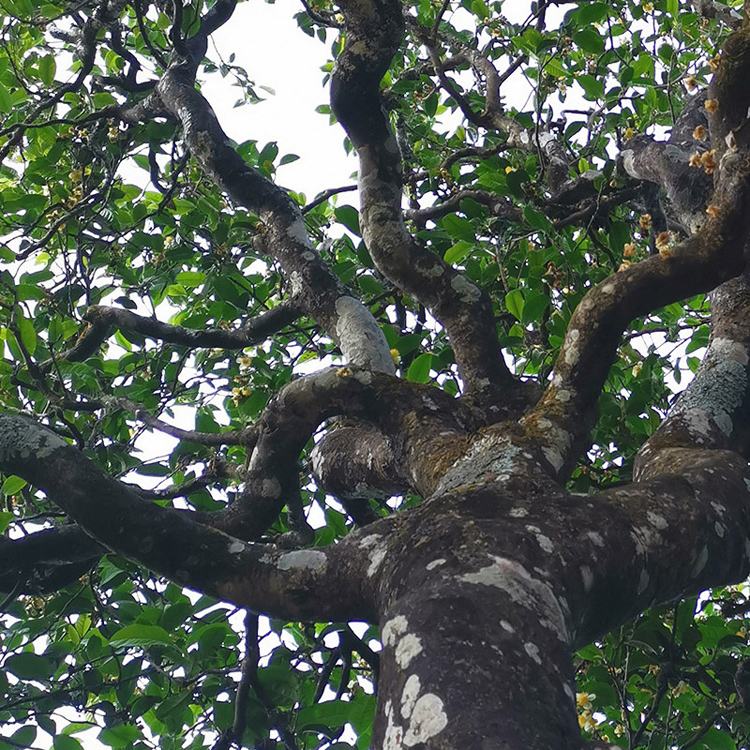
(419, 370)
(458, 227)
(47, 68)
(456, 253)
(480, 9)
(590, 13)
(349, 217)
(13, 484)
(140, 636)
(514, 302)
(6, 102)
(64, 742)
(29, 666)
(589, 41)
(28, 334)
(190, 279)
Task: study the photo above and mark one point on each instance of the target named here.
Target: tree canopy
(398, 465)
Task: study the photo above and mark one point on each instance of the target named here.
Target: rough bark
(484, 589)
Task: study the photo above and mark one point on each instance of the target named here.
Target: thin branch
(326, 194)
(254, 331)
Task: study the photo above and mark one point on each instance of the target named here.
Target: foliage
(96, 211)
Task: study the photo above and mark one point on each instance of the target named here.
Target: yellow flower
(695, 159)
(645, 221)
(648, 7)
(714, 63)
(628, 250)
(700, 133)
(680, 688)
(586, 721)
(395, 356)
(662, 240)
(713, 211)
(625, 265)
(691, 82)
(711, 105)
(708, 161)
(583, 700)
(508, 170)
(629, 132)
(75, 175)
(246, 361)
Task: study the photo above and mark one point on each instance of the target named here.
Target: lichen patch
(303, 559)
(428, 719)
(409, 695)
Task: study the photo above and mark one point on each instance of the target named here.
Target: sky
(276, 53)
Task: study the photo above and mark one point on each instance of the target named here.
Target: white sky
(275, 52)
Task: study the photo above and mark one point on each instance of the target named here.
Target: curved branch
(498, 205)
(667, 164)
(317, 289)
(303, 584)
(429, 442)
(562, 419)
(714, 411)
(254, 331)
(374, 31)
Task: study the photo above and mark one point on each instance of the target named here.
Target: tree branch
(374, 31)
(171, 543)
(252, 332)
(317, 289)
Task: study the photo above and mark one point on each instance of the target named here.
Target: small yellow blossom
(695, 159)
(714, 63)
(708, 161)
(625, 265)
(395, 356)
(713, 211)
(583, 700)
(712, 105)
(645, 221)
(629, 132)
(628, 250)
(75, 175)
(680, 688)
(245, 361)
(619, 730)
(700, 133)
(691, 82)
(648, 7)
(662, 240)
(344, 372)
(586, 721)
(508, 170)
(666, 252)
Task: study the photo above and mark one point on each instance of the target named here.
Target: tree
(477, 457)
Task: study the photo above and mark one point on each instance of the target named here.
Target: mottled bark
(374, 31)
(484, 589)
